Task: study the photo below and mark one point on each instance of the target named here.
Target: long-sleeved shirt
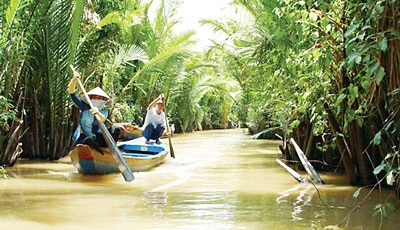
(88, 122)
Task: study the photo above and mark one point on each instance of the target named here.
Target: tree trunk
(358, 147)
(344, 152)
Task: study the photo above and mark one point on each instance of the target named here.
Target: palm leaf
(179, 45)
(128, 53)
(57, 51)
(132, 18)
(10, 16)
(8, 25)
(75, 27)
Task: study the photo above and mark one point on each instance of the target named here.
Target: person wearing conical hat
(154, 123)
(91, 132)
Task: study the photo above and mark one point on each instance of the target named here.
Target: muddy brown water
(220, 179)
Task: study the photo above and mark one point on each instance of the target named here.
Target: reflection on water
(302, 200)
(156, 199)
(219, 180)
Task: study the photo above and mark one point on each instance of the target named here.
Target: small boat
(138, 155)
(134, 131)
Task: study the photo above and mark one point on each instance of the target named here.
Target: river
(219, 179)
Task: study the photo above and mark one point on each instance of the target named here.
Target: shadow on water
(219, 179)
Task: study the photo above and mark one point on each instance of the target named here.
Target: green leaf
(377, 138)
(360, 121)
(295, 123)
(372, 68)
(354, 57)
(383, 44)
(353, 91)
(378, 9)
(377, 209)
(379, 76)
(340, 98)
(350, 30)
(279, 34)
(76, 24)
(367, 58)
(365, 84)
(358, 59)
(379, 168)
(357, 193)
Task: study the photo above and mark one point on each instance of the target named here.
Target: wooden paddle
(171, 149)
(116, 153)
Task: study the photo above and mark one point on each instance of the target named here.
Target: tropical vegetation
(323, 72)
(326, 74)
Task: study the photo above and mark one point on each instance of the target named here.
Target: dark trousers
(97, 141)
(153, 133)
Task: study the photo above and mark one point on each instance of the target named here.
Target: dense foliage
(325, 73)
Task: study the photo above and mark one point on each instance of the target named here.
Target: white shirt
(153, 118)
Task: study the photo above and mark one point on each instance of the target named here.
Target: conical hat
(97, 91)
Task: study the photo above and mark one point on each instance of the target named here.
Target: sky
(191, 11)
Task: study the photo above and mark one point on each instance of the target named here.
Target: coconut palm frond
(128, 53)
(76, 22)
(57, 44)
(9, 11)
(8, 19)
(216, 25)
(178, 45)
(131, 18)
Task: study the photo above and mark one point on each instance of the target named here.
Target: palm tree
(46, 44)
(10, 125)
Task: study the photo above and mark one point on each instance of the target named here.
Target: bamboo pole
(295, 174)
(307, 165)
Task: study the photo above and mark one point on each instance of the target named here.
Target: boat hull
(138, 155)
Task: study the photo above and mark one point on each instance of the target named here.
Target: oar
(116, 153)
(171, 149)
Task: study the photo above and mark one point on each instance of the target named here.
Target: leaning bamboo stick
(307, 165)
(295, 174)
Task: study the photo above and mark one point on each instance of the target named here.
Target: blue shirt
(88, 122)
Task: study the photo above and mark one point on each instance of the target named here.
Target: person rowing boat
(91, 133)
(155, 123)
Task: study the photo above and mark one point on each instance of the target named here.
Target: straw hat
(97, 91)
(160, 102)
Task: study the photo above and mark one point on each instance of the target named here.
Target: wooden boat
(134, 131)
(138, 155)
